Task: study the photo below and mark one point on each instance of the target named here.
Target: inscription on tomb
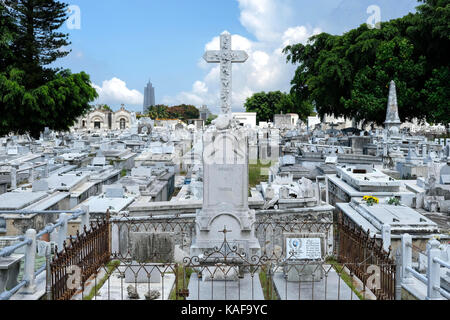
(303, 248)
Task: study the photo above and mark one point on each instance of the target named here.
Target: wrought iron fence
(81, 258)
(224, 272)
(366, 258)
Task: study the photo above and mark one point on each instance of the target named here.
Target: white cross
(225, 57)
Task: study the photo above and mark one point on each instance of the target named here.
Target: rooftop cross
(225, 56)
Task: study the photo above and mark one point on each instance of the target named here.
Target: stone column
(30, 258)
(398, 275)
(406, 258)
(386, 236)
(433, 271)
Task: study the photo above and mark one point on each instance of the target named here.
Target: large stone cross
(225, 56)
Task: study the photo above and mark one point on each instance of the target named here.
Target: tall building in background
(149, 96)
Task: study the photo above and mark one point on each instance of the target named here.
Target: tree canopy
(32, 94)
(266, 105)
(349, 75)
(183, 112)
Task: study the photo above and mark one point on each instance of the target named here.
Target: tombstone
(445, 175)
(307, 187)
(148, 249)
(225, 211)
(284, 193)
(282, 121)
(270, 193)
(304, 256)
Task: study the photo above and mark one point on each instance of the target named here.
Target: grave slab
(331, 287)
(248, 288)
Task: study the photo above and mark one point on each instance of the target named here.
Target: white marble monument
(225, 167)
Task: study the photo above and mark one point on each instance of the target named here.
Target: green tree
(210, 119)
(159, 111)
(105, 107)
(7, 33)
(32, 95)
(184, 112)
(349, 75)
(38, 42)
(266, 105)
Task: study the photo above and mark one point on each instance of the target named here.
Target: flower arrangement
(371, 200)
(394, 201)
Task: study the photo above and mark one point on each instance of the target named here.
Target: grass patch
(267, 285)
(111, 266)
(257, 173)
(345, 277)
(181, 272)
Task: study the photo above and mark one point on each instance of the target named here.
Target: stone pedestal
(9, 270)
(225, 196)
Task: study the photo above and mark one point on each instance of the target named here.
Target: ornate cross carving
(226, 57)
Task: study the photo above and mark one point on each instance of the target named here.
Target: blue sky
(122, 44)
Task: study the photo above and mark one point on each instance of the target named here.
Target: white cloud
(115, 92)
(265, 70)
(299, 34)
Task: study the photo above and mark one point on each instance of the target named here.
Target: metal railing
(87, 253)
(29, 242)
(367, 255)
(432, 279)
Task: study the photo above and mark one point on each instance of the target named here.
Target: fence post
(386, 235)
(84, 219)
(406, 258)
(433, 271)
(62, 233)
(115, 238)
(48, 285)
(398, 275)
(30, 258)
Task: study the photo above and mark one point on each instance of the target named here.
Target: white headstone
(303, 248)
(225, 211)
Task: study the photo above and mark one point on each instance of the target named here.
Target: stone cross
(225, 56)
